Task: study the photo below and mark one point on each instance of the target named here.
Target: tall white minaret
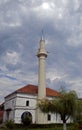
(42, 55)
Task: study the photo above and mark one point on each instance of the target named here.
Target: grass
(33, 129)
(55, 128)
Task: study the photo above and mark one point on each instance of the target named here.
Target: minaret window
(27, 103)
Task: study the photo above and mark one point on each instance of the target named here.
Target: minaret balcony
(42, 54)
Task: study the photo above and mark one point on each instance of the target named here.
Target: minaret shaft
(41, 118)
(42, 78)
(42, 54)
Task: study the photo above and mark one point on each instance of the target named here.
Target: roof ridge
(33, 89)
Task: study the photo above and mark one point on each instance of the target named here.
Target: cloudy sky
(21, 23)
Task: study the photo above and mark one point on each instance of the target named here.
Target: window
(49, 117)
(26, 113)
(27, 103)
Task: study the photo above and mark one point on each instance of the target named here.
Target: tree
(26, 121)
(65, 105)
(79, 112)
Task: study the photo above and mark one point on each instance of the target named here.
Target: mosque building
(24, 101)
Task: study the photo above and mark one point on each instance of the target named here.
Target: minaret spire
(42, 36)
(42, 51)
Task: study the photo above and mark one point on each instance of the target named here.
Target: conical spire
(42, 35)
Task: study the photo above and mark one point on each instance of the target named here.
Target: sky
(21, 25)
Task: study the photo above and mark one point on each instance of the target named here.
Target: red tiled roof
(51, 92)
(30, 89)
(33, 89)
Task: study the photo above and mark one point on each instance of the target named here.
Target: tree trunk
(64, 126)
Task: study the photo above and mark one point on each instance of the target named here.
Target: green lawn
(35, 129)
(55, 128)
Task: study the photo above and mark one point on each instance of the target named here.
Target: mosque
(23, 101)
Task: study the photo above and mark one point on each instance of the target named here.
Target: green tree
(79, 112)
(26, 121)
(65, 105)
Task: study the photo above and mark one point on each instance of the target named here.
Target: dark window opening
(49, 117)
(27, 103)
(25, 114)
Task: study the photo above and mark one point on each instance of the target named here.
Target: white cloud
(11, 57)
(75, 39)
(20, 25)
(7, 86)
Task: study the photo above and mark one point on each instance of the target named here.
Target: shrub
(10, 124)
(80, 121)
(27, 120)
(75, 126)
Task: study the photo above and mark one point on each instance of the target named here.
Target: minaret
(42, 55)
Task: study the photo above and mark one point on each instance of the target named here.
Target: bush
(80, 121)
(10, 124)
(75, 126)
(52, 125)
(27, 120)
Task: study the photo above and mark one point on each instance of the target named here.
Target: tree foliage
(65, 105)
(27, 120)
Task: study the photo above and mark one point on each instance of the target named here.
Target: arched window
(24, 114)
